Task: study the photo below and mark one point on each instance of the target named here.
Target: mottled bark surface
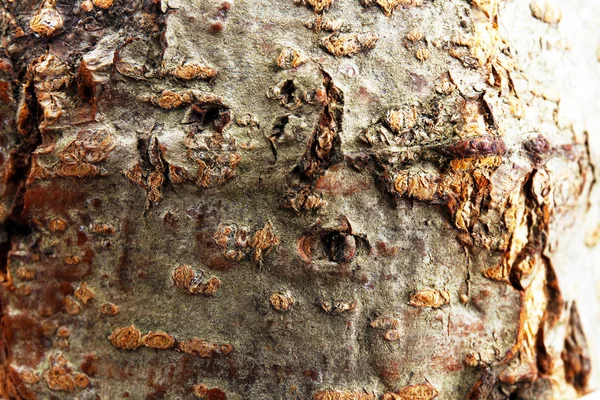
(299, 199)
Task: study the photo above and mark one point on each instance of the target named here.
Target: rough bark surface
(299, 199)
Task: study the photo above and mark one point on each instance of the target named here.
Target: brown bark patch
(127, 338)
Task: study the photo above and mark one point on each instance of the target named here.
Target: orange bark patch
(342, 395)
(48, 21)
(158, 340)
(263, 242)
(193, 71)
(204, 349)
(84, 293)
(423, 391)
(71, 306)
(281, 302)
(109, 309)
(290, 58)
(57, 225)
(127, 338)
(193, 282)
(103, 4)
(349, 44)
(430, 298)
(57, 376)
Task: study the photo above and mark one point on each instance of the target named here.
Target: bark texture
(299, 199)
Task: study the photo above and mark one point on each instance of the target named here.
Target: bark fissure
(14, 227)
(325, 146)
(592, 166)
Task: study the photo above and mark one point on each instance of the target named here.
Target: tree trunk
(299, 199)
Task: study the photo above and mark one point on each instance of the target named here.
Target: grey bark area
(299, 199)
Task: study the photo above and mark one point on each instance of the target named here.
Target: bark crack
(592, 167)
(13, 227)
(324, 149)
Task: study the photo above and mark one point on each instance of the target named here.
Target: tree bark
(299, 199)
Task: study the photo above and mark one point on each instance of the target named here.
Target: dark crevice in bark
(28, 140)
(155, 155)
(592, 167)
(539, 217)
(333, 116)
(161, 165)
(276, 132)
(208, 115)
(544, 359)
(531, 386)
(11, 231)
(532, 246)
(575, 354)
(153, 164)
(340, 244)
(142, 148)
(553, 293)
(287, 92)
(324, 148)
(15, 227)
